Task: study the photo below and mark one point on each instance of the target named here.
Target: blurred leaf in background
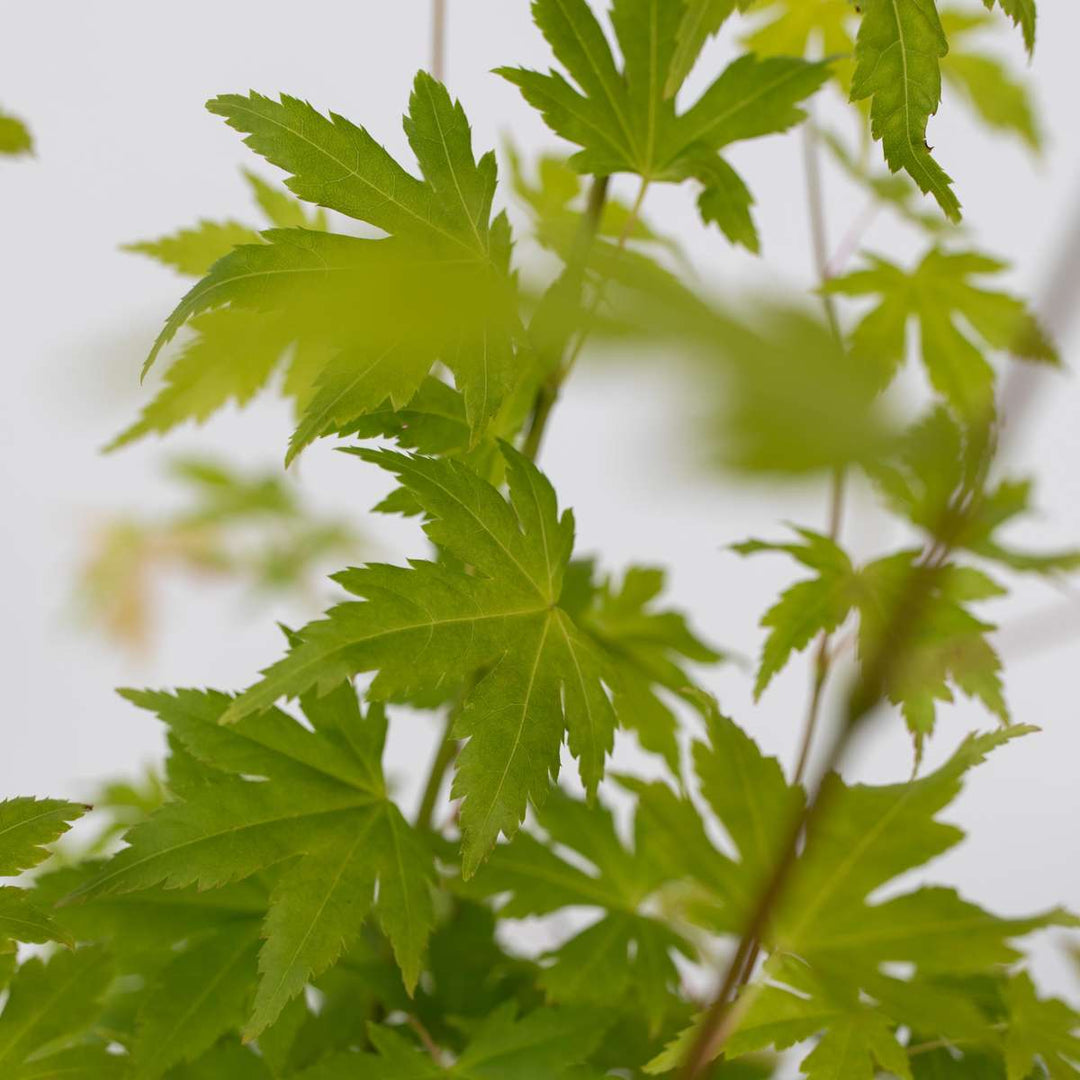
(254, 529)
(15, 138)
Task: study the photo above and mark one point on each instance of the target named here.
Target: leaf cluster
(277, 910)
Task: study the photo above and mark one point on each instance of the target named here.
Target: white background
(114, 91)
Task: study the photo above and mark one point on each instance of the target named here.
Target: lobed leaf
(898, 69)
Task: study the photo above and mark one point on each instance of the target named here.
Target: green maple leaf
(934, 470)
(896, 191)
(807, 608)
(15, 138)
(445, 216)
(701, 20)
(430, 627)
(943, 288)
(1042, 1030)
(444, 248)
(748, 795)
(90, 1062)
(775, 416)
(435, 422)
(281, 209)
(194, 250)
(1022, 13)
(21, 919)
(50, 1005)
(202, 994)
(626, 121)
(323, 805)
(792, 27)
(232, 352)
(26, 825)
(553, 199)
(232, 1061)
(645, 648)
(544, 1045)
(870, 836)
(625, 956)
(857, 1040)
(898, 56)
(229, 360)
(145, 930)
(986, 84)
(948, 648)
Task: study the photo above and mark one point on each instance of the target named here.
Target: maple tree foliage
(272, 908)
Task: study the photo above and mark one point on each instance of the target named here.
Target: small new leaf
(942, 290)
(625, 121)
(934, 470)
(948, 646)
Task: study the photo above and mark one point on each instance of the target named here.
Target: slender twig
(825, 654)
(444, 758)
(816, 205)
(815, 201)
(952, 519)
(574, 279)
(946, 1044)
(742, 966)
(438, 39)
(868, 690)
(428, 1043)
(598, 298)
(719, 1020)
(447, 749)
(849, 243)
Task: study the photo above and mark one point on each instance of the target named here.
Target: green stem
(546, 397)
(548, 393)
(815, 201)
(444, 758)
(438, 39)
(824, 656)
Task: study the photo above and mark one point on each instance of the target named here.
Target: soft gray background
(114, 91)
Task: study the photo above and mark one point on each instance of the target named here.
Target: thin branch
(742, 966)
(574, 279)
(849, 243)
(429, 1044)
(438, 39)
(444, 758)
(447, 750)
(721, 1018)
(815, 201)
(824, 655)
(818, 229)
(598, 298)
